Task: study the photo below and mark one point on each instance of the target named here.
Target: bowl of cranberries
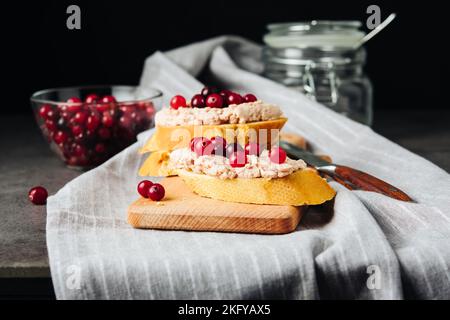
(85, 126)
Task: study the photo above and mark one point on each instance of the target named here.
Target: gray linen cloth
(372, 247)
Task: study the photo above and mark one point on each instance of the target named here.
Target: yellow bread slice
(156, 165)
(303, 187)
(168, 138)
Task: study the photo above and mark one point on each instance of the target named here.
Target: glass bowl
(85, 126)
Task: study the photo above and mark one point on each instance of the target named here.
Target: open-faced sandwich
(223, 146)
(226, 114)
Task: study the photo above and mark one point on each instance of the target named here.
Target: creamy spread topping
(235, 113)
(218, 166)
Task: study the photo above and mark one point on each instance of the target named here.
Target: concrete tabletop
(26, 161)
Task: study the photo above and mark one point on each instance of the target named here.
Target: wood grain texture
(181, 209)
(367, 182)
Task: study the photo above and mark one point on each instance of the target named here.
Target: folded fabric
(372, 247)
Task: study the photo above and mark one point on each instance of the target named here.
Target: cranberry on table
(277, 155)
(144, 187)
(214, 100)
(250, 98)
(156, 192)
(252, 148)
(238, 159)
(38, 195)
(178, 102)
(234, 98)
(206, 91)
(198, 101)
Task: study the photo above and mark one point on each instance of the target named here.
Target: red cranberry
(252, 148)
(144, 187)
(76, 130)
(127, 108)
(91, 98)
(52, 114)
(178, 102)
(74, 100)
(125, 122)
(75, 104)
(92, 122)
(66, 115)
(107, 119)
(102, 107)
(150, 111)
(234, 98)
(250, 97)
(104, 133)
(203, 147)
(38, 195)
(51, 125)
(60, 137)
(277, 155)
(80, 138)
(214, 100)
(80, 117)
(238, 159)
(225, 93)
(198, 101)
(100, 148)
(192, 143)
(233, 147)
(206, 91)
(44, 110)
(79, 150)
(109, 99)
(219, 145)
(156, 192)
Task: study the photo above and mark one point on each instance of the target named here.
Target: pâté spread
(217, 166)
(235, 113)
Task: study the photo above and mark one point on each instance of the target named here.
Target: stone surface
(26, 161)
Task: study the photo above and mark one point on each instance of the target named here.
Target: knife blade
(349, 177)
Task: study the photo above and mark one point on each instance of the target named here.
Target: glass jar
(319, 59)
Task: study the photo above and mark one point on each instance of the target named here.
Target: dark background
(408, 62)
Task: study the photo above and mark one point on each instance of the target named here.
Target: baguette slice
(303, 187)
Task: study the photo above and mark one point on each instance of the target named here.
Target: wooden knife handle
(367, 182)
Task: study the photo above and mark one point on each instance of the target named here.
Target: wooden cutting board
(181, 209)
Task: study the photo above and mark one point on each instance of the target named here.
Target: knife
(351, 178)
